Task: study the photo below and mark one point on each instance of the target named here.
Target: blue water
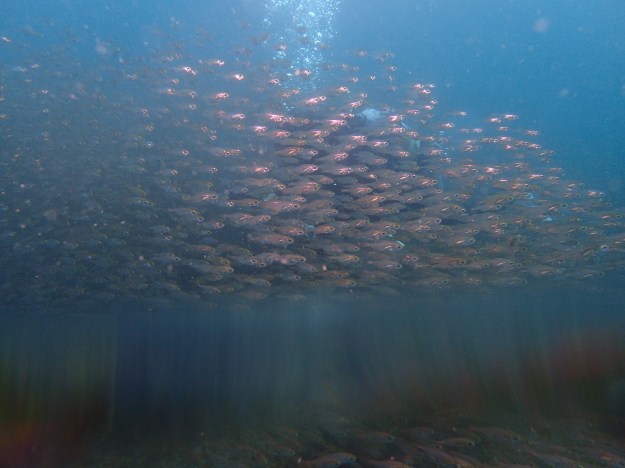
(560, 65)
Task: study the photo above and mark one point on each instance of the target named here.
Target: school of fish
(200, 174)
(450, 439)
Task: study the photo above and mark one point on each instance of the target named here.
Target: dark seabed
(312, 234)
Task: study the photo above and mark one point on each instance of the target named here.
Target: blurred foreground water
(68, 379)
